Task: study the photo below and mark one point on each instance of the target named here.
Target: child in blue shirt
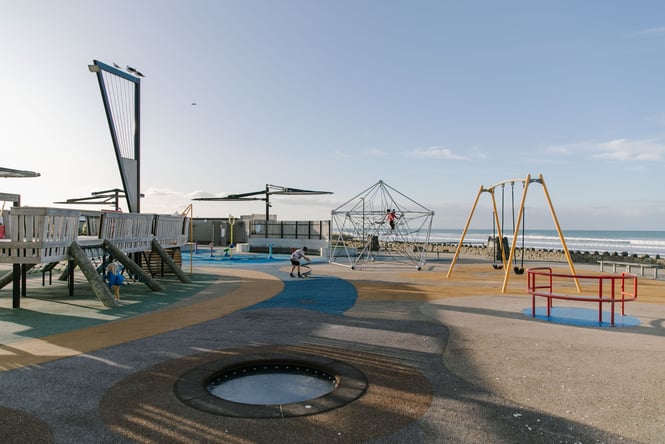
(116, 279)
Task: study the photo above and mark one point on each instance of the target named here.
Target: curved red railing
(540, 282)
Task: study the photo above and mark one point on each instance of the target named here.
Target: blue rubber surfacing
(322, 293)
(326, 294)
(334, 296)
(581, 317)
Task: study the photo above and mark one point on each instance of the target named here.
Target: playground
(409, 354)
(445, 358)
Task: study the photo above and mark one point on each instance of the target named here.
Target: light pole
(232, 221)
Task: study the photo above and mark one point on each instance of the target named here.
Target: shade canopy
(106, 197)
(8, 172)
(265, 195)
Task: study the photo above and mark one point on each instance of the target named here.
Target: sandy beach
(447, 359)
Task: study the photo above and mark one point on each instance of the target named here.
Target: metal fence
(291, 229)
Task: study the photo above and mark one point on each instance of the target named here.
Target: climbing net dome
(377, 224)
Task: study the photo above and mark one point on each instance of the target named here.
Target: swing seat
(497, 267)
(518, 270)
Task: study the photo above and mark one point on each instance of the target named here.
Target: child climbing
(392, 216)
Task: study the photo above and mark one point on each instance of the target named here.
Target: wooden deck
(41, 235)
(38, 235)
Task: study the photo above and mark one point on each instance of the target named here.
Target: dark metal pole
(267, 207)
(16, 286)
(70, 277)
(24, 279)
(137, 142)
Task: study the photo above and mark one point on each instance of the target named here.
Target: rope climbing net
(377, 224)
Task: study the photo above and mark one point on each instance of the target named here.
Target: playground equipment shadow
(446, 359)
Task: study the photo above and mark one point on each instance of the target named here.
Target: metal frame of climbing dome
(358, 224)
(525, 182)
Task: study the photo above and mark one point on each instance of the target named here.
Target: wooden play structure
(41, 236)
(498, 223)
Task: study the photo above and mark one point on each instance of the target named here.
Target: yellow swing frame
(526, 182)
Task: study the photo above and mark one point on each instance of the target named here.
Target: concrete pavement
(447, 360)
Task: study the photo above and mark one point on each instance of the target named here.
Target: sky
(435, 98)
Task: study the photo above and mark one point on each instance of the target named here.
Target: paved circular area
(20, 427)
(136, 406)
(343, 384)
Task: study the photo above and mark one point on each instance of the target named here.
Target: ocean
(641, 243)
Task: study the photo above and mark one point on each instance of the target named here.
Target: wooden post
(8, 277)
(466, 227)
(558, 230)
(98, 285)
(520, 214)
(170, 262)
(64, 275)
(132, 266)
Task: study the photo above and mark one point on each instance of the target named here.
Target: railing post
(612, 308)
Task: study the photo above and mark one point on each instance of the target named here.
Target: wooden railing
(130, 232)
(39, 235)
(42, 235)
(171, 231)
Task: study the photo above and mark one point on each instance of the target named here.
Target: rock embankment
(533, 254)
(530, 254)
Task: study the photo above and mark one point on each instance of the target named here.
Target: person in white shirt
(295, 260)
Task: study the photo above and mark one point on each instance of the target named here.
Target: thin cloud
(657, 120)
(376, 152)
(162, 192)
(436, 152)
(631, 150)
(560, 149)
(342, 155)
(167, 192)
(477, 153)
(657, 30)
(617, 149)
(199, 193)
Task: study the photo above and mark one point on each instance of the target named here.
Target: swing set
(498, 226)
(499, 243)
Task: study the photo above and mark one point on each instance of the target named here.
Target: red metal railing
(536, 287)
